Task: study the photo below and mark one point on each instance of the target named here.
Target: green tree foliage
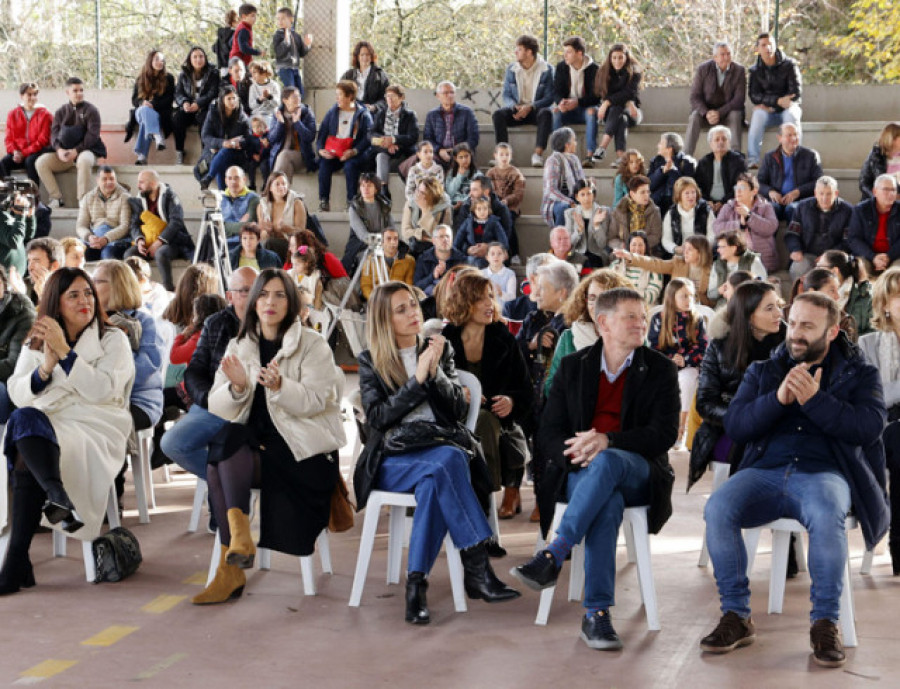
(872, 39)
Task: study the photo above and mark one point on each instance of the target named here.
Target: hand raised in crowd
(437, 343)
(622, 254)
(49, 331)
(427, 361)
(881, 262)
(801, 384)
(678, 360)
(270, 377)
(585, 446)
(235, 372)
(600, 215)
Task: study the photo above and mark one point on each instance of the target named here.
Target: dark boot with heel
(28, 497)
(479, 578)
(58, 509)
(416, 605)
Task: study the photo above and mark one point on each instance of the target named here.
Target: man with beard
(157, 226)
(811, 418)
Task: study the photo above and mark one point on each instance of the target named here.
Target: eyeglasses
(243, 291)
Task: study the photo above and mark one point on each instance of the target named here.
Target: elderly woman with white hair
(669, 165)
(717, 172)
(562, 172)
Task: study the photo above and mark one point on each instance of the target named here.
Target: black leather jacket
(733, 164)
(875, 164)
(217, 332)
(768, 84)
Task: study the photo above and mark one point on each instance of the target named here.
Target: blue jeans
(328, 166)
(559, 213)
(760, 121)
(598, 496)
(585, 116)
(224, 159)
(753, 497)
(439, 477)
(148, 126)
(115, 249)
(785, 213)
(186, 442)
(291, 77)
(5, 404)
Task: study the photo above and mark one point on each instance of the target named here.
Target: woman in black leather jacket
(412, 400)
(752, 328)
(196, 89)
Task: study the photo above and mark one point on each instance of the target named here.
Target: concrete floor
(66, 633)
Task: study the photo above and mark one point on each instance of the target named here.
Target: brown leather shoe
(535, 517)
(511, 505)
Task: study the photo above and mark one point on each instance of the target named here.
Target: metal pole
(97, 36)
(546, 21)
(777, 13)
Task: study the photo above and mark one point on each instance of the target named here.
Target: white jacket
(306, 410)
(89, 412)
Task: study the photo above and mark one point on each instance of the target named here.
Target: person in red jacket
(27, 133)
(242, 43)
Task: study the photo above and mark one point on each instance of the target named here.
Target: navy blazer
(465, 127)
(807, 170)
(864, 227)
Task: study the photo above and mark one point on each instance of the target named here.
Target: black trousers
(503, 120)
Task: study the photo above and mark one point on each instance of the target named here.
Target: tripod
(375, 251)
(212, 242)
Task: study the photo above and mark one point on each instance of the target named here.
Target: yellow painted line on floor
(45, 670)
(163, 603)
(198, 578)
(164, 664)
(109, 636)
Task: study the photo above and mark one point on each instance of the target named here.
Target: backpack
(117, 555)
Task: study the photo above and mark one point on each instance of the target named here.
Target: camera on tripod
(17, 195)
(211, 200)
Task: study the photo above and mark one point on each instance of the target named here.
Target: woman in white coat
(280, 388)
(72, 380)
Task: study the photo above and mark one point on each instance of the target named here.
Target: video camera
(211, 200)
(12, 189)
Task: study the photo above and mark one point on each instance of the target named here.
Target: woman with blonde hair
(413, 401)
(689, 214)
(431, 207)
(483, 346)
(280, 212)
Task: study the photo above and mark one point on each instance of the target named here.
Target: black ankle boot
(479, 578)
(27, 498)
(895, 556)
(416, 605)
(17, 573)
(44, 466)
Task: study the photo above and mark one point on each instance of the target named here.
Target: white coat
(306, 411)
(88, 409)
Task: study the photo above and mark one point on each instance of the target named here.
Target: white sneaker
(515, 261)
(179, 158)
(537, 160)
(160, 142)
(55, 203)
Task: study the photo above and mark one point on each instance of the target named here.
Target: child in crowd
(632, 165)
(224, 38)
(258, 152)
(462, 169)
(73, 250)
(478, 231)
(186, 341)
(503, 279)
(306, 303)
(425, 167)
(265, 93)
(288, 48)
(242, 43)
(678, 331)
(306, 273)
(587, 225)
(507, 180)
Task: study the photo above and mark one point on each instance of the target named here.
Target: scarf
(637, 220)
(583, 334)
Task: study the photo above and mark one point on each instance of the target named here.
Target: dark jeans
(223, 160)
(503, 119)
(616, 125)
(7, 165)
(5, 404)
(328, 166)
(291, 77)
(181, 120)
(164, 257)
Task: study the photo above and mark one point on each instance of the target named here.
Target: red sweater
(26, 136)
(183, 348)
(235, 45)
(608, 412)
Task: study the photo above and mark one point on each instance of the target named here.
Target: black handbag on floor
(117, 555)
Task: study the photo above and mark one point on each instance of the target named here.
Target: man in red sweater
(607, 425)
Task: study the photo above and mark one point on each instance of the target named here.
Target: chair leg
(576, 573)
(454, 564)
(751, 543)
(780, 545)
(628, 533)
(264, 559)
(197, 509)
(848, 620)
(214, 559)
(493, 519)
(140, 488)
(112, 509)
(145, 447)
(307, 572)
(324, 548)
(59, 544)
(546, 601)
(799, 552)
(366, 545)
(396, 539)
(641, 537)
(90, 568)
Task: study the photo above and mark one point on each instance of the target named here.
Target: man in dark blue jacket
(819, 225)
(789, 173)
(186, 442)
(436, 261)
(449, 124)
(811, 419)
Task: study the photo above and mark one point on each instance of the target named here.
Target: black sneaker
(598, 633)
(538, 573)
(825, 639)
(731, 633)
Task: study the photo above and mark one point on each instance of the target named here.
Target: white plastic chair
(397, 529)
(781, 535)
(264, 556)
(720, 475)
(142, 476)
(635, 521)
(60, 538)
